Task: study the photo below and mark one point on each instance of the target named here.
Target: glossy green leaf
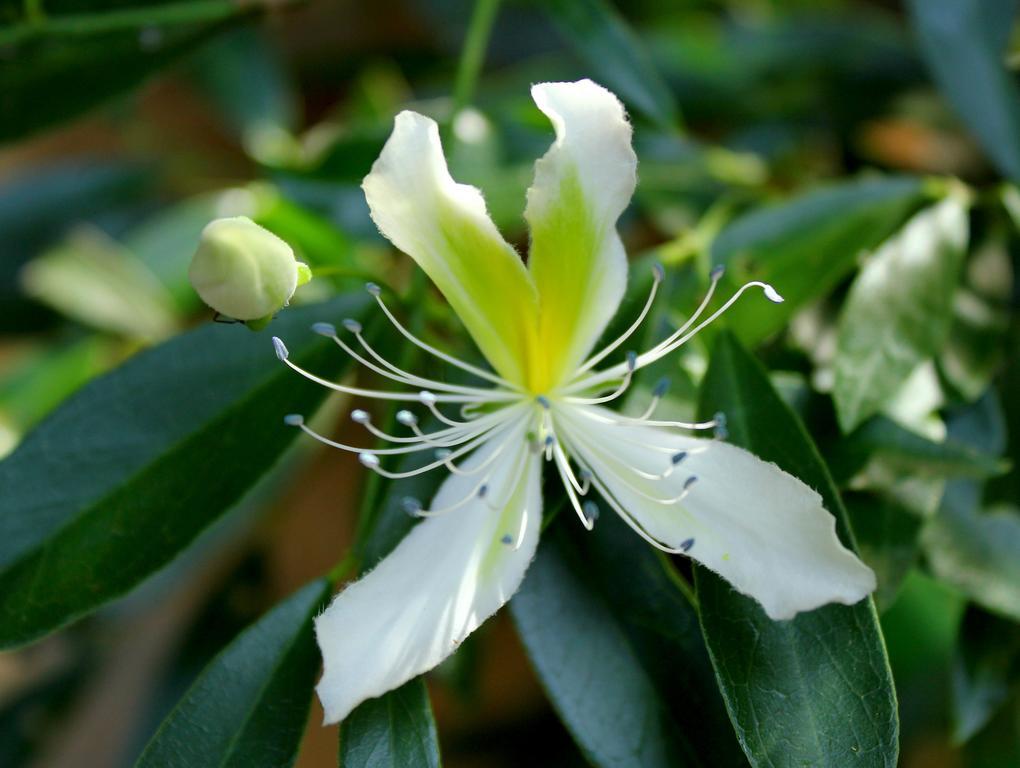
(36, 209)
(963, 42)
(126, 473)
(887, 540)
(975, 550)
(815, 690)
(901, 450)
(81, 54)
(244, 77)
(614, 55)
(249, 706)
(899, 310)
(806, 245)
(35, 385)
(967, 546)
(393, 731)
(615, 644)
(92, 279)
(986, 669)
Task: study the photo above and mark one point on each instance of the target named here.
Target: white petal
(444, 227)
(758, 527)
(582, 185)
(448, 575)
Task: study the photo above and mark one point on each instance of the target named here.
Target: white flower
(758, 527)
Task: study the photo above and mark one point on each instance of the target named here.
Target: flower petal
(582, 185)
(758, 527)
(445, 227)
(448, 575)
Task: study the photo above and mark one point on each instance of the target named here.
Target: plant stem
(473, 54)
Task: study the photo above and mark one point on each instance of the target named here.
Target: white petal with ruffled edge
(582, 185)
(448, 575)
(445, 227)
(761, 529)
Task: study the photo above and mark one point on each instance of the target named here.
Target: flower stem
(473, 54)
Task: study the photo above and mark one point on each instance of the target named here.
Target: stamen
(721, 432)
(390, 371)
(462, 450)
(395, 372)
(657, 394)
(658, 275)
(628, 376)
(369, 457)
(570, 484)
(677, 339)
(478, 492)
(489, 396)
(280, 348)
(373, 289)
(591, 511)
(634, 524)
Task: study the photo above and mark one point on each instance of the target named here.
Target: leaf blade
(127, 472)
(806, 245)
(250, 704)
(613, 640)
(792, 687)
(899, 310)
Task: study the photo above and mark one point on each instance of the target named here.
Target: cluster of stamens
(502, 414)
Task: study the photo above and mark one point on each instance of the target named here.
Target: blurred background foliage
(861, 155)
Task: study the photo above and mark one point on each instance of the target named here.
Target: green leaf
(393, 731)
(81, 54)
(815, 690)
(975, 550)
(35, 211)
(986, 668)
(969, 547)
(614, 55)
(125, 474)
(806, 245)
(899, 310)
(249, 706)
(886, 536)
(92, 279)
(615, 644)
(963, 42)
(243, 75)
(902, 451)
(37, 384)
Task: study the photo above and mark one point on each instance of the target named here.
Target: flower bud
(244, 271)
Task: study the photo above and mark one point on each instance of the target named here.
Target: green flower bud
(244, 271)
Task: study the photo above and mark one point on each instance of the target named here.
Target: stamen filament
(394, 374)
(480, 372)
(594, 360)
(677, 339)
(490, 396)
